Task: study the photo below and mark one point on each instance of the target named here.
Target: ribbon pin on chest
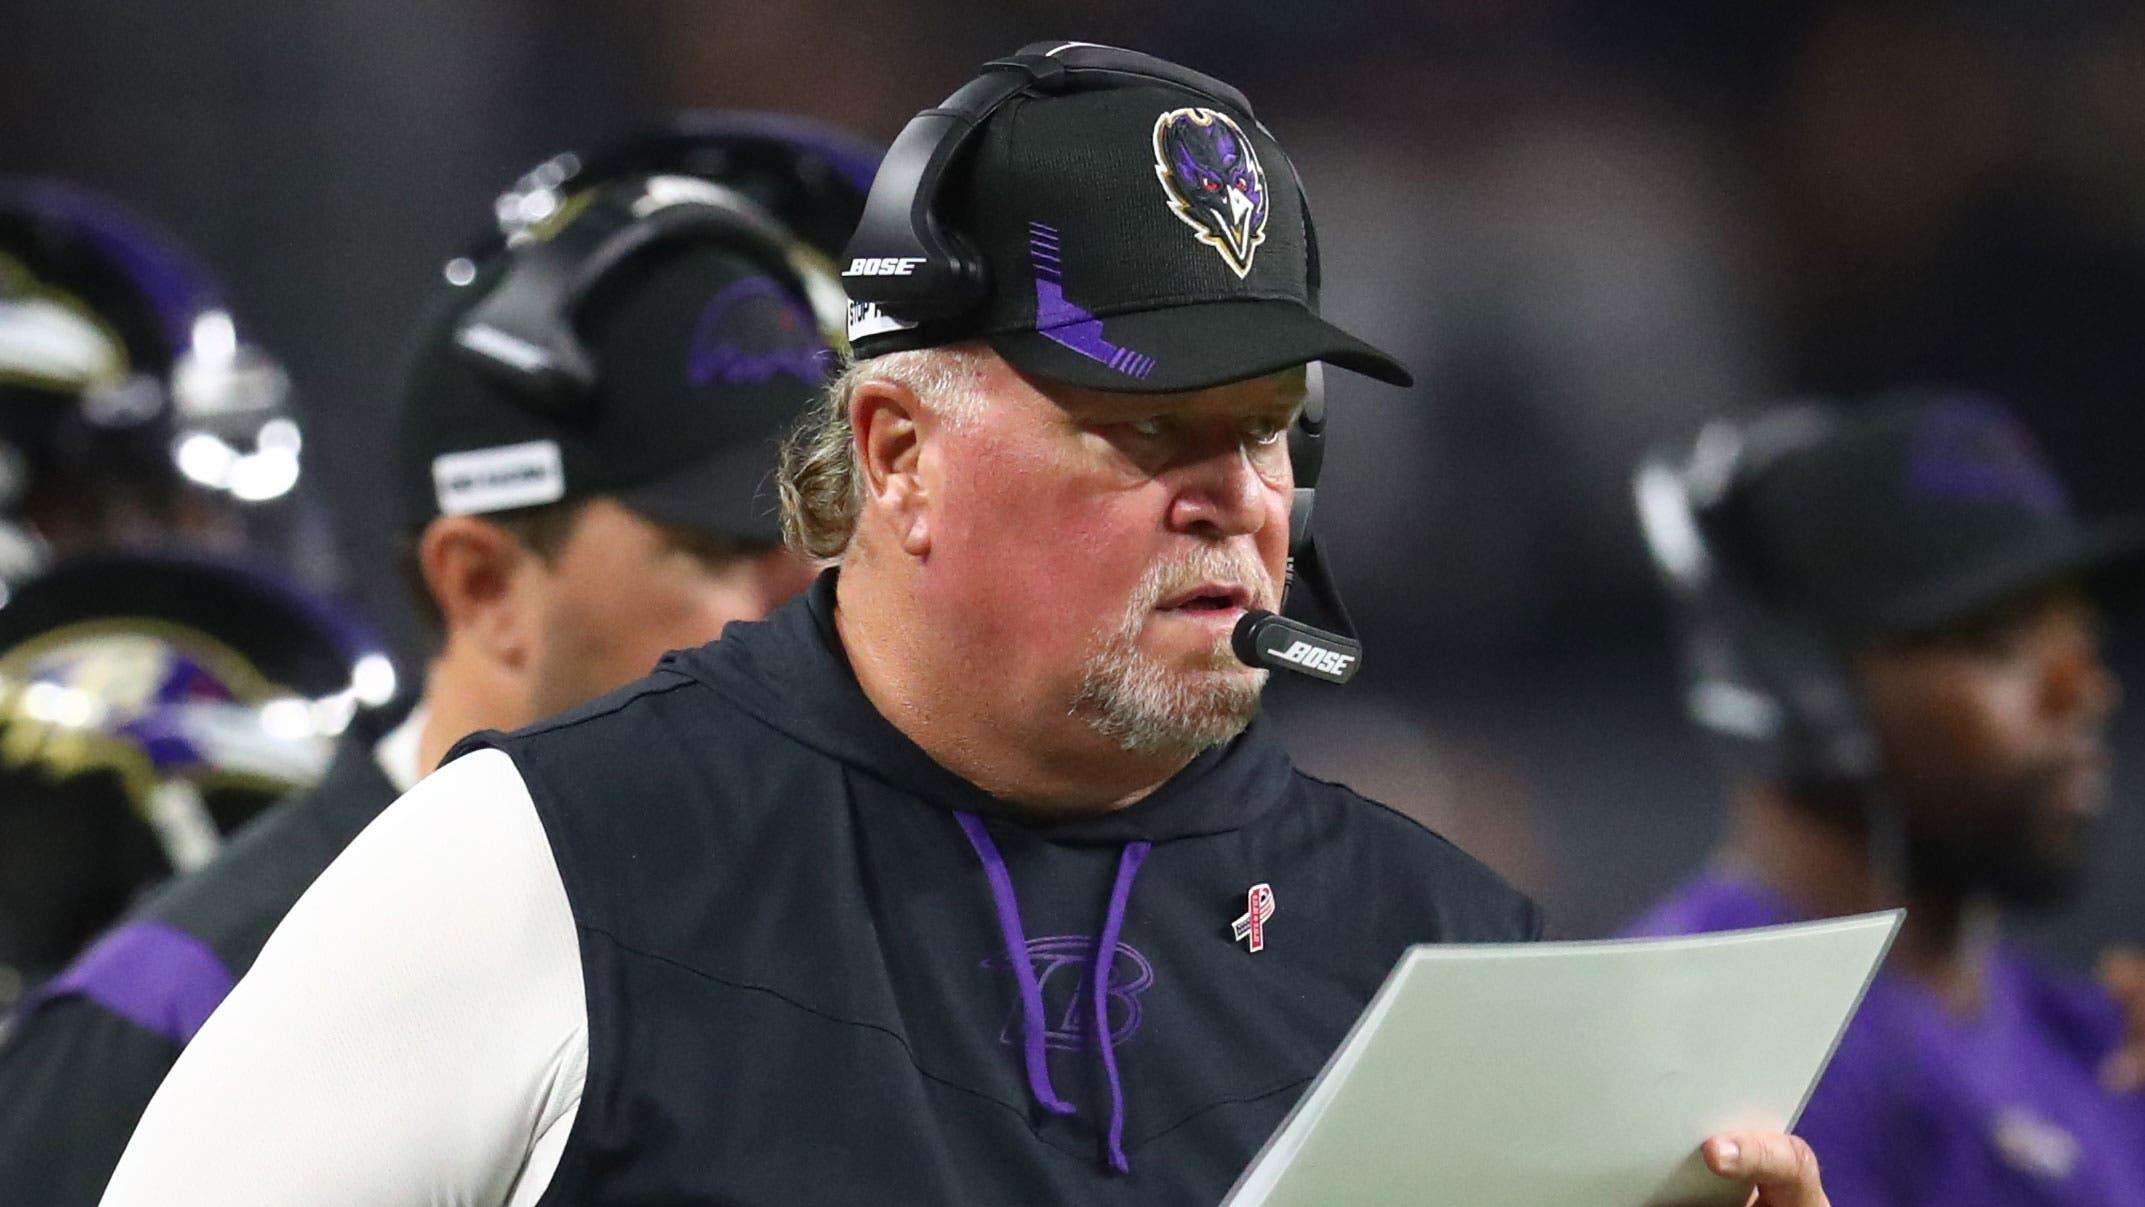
(1258, 907)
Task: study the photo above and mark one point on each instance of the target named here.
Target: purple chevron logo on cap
(1060, 321)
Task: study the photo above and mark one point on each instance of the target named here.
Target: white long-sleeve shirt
(415, 1031)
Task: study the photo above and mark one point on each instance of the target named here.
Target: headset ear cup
(1776, 693)
(1770, 684)
(936, 274)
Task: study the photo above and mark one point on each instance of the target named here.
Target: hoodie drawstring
(1128, 867)
(1016, 954)
(1031, 990)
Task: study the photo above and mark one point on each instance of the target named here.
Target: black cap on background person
(1916, 509)
(705, 357)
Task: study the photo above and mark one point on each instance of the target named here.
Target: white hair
(819, 481)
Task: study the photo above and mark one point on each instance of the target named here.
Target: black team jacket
(819, 967)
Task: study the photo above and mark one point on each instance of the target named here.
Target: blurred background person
(169, 664)
(583, 461)
(1891, 626)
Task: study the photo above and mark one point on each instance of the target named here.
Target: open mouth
(1207, 599)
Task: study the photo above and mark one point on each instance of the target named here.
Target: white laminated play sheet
(1570, 1074)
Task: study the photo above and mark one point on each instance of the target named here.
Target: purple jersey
(1920, 1107)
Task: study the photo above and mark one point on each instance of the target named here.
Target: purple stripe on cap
(1067, 325)
(1971, 449)
(152, 974)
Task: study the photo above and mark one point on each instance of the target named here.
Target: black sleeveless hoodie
(821, 968)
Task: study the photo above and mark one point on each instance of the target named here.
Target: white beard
(1149, 708)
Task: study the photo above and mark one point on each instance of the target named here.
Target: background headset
(951, 278)
(572, 222)
(1770, 684)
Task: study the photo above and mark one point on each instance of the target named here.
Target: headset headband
(1766, 680)
(524, 329)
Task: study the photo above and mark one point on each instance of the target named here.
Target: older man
(971, 878)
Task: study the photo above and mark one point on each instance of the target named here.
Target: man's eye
(1151, 427)
(1265, 431)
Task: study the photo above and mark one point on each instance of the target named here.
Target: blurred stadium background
(1586, 226)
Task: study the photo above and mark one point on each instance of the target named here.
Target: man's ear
(890, 427)
(477, 573)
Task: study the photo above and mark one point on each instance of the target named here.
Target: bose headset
(950, 278)
(569, 224)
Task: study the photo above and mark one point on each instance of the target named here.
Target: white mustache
(1232, 565)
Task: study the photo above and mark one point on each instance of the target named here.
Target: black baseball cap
(1141, 239)
(705, 360)
(1917, 510)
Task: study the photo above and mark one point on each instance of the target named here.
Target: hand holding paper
(1782, 1167)
(1580, 1074)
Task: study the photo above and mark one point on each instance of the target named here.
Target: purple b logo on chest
(1064, 965)
(751, 331)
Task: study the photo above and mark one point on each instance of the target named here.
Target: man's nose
(2079, 683)
(1220, 495)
